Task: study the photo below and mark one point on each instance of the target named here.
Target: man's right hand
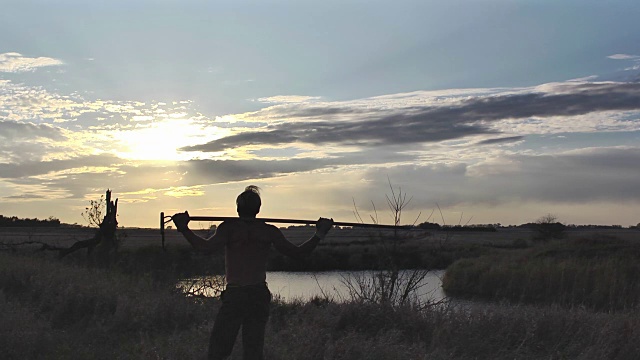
(323, 226)
(181, 220)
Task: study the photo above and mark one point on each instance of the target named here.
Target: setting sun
(160, 140)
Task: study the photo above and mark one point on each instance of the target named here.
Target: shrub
(547, 227)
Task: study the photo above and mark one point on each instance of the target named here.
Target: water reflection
(290, 286)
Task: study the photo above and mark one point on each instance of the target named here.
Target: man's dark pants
(246, 307)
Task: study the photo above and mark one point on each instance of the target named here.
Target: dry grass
(598, 273)
(63, 310)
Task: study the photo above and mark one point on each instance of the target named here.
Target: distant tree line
(573, 226)
(577, 227)
(478, 227)
(14, 221)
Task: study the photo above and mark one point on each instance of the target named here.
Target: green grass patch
(601, 274)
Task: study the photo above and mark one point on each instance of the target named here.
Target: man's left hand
(181, 220)
(323, 226)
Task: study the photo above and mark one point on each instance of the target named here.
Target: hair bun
(252, 188)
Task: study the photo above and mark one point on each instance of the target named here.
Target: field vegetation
(67, 309)
(543, 294)
(600, 273)
(71, 308)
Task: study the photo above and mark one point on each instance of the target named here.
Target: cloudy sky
(496, 111)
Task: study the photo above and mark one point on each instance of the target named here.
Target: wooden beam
(290, 221)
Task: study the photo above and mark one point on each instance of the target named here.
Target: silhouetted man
(246, 299)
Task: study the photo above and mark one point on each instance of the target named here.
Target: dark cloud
(578, 99)
(13, 130)
(501, 140)
(391, 130)
(35, 168)
(25, 197)
(578, 177)
(22, 141)
(429, 123)
(217, 171)
(248, 138)
(312, 111)
(21, 151)
(144, 175)
(602, 175)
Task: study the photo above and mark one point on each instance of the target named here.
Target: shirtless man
(246, 299)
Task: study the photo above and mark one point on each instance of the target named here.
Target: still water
(290, 286)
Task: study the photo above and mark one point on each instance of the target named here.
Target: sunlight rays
(161, 139)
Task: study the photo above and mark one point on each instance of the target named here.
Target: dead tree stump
(104, 244)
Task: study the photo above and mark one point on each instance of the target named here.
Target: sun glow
(160, 140)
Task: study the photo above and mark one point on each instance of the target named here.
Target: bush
(548, 228)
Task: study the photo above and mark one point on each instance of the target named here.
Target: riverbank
(64, 309)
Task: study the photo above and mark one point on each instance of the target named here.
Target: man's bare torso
(247, 245)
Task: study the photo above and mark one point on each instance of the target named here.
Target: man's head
(248, 202)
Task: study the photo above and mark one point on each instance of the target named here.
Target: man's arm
(214, 243)
(288, 248)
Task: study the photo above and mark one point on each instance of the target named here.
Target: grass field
(344, 249)
(62, 310)
(599, 272)
(69, 309)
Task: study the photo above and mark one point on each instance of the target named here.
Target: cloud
(501, 140)
(13, 130)
(623, 57)
(582, 176)
(27, 196)
(219, 171)
(285, 99)
(349, 124)
(433, 143)
(79, 176)
(13, 62)
(571, 177)
(41, 124)
(184, 191)
(35, 168)
(35, 104)
(27, 141)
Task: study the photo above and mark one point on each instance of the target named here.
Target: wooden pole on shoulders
(165, 219)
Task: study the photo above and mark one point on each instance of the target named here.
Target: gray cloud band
(429, 123)
(35, 168)
(604, 175)
(501, 140)
(17, 130)
(608, 174)
(189, 173)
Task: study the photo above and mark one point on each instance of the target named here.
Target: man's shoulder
(240, 222)
(272, 227)
(267, 227)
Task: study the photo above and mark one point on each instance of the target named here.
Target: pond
(291, 286)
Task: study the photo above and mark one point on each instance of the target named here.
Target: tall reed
(598, 274)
